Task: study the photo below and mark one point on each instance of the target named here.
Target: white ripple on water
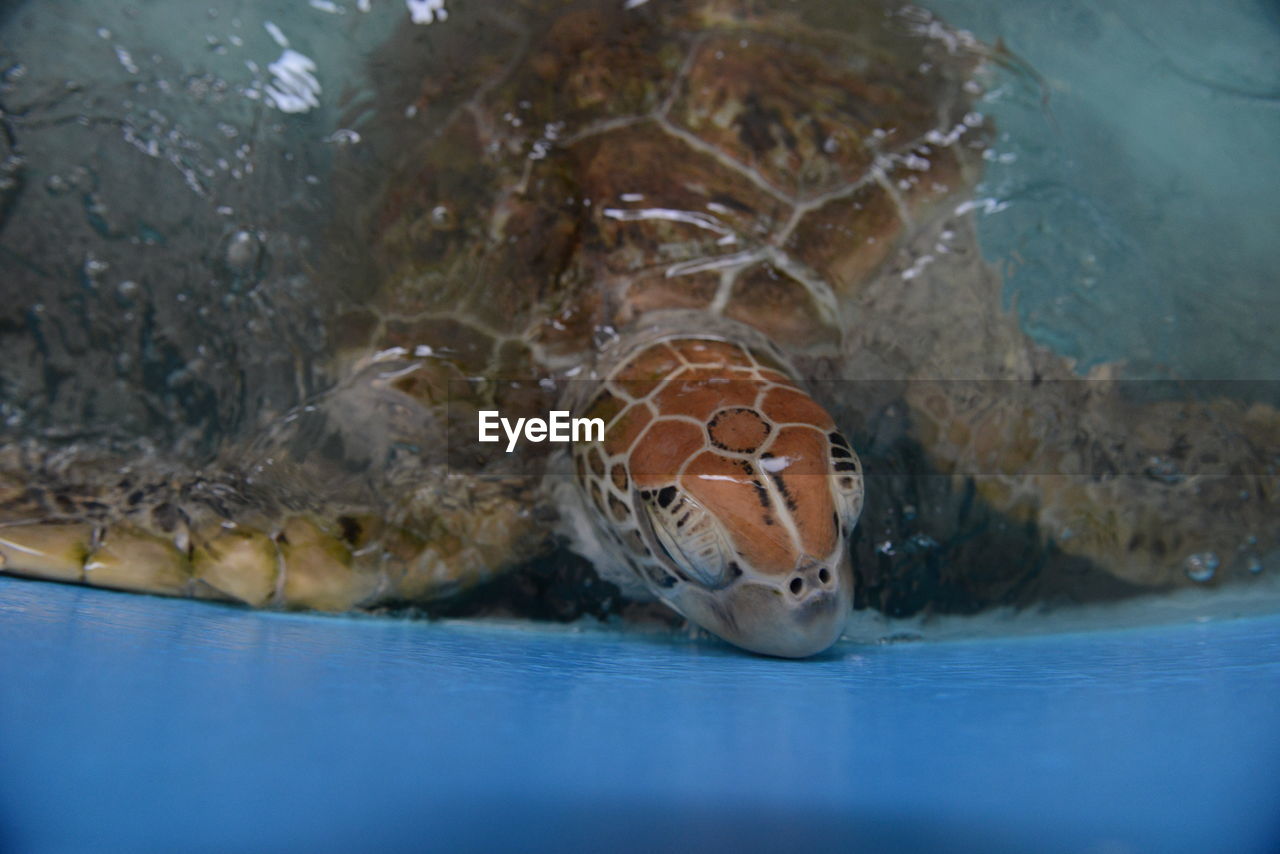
(294, 87)
(277, 35)
(426, 11)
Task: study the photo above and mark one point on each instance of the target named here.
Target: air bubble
(93, 269)
(343, 136)
(56, 185)
(923, 542)
(442, 218)
(1163, 470)
(242, 250)
(1254, 565)
(243, 256)
(1201, 566)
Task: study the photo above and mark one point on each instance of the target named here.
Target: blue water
(1137, 179)
(131, 723)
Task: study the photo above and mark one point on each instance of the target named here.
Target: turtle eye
(846, 475)
(685, 537)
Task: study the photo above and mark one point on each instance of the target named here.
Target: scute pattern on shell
(725, 157)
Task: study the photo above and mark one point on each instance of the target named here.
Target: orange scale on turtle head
(644, 371)
(664, 448)
(702, 351)
(788, 405)
(605, 406)
(770, 375)
(698, 392)
(740, 430)
(624, 430)
(798, 465)
(740, 501)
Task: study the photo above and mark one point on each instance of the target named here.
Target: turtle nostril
(823, 575)
(797, 584)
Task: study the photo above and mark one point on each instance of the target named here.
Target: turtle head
(763, 616)
(730, 491)
(754, 547)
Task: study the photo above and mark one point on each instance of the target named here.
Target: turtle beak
(802, 616)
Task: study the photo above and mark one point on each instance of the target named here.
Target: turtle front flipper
(309, 517)
(301, 561)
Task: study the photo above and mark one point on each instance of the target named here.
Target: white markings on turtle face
(772, 465)
(687, 542)
(847, 469)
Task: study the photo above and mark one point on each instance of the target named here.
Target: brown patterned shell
(591, 163)
(541, 172)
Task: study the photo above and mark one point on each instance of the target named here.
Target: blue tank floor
(133, 723)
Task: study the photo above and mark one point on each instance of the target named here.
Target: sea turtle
(727, 229)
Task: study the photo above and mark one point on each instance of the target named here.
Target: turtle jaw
(768, 619)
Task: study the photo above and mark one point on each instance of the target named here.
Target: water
(1143, 189)
(155, 724)
(167, 213)
(165, 225)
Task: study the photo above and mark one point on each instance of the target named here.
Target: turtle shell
(585, 163)
(543, 174)
(559, 170)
